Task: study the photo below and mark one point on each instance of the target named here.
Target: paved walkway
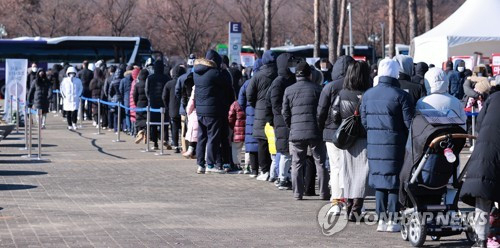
(96, 193)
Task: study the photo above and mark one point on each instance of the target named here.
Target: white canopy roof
(472, 28)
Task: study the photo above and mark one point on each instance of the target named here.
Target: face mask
(71, 75)
(461, 69)
(292, 69)
(251, 74)
(479, 74)
(324, 69)
(33, 69)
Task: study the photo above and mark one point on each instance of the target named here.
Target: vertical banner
(16, 73)
(234, 43)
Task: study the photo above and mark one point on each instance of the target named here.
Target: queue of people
(278, 120)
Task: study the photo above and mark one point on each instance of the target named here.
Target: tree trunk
(332, 31)
(342, 18)
(317, 31)
(428, 15)
(267, 25)
(392, 30)
(412, 13)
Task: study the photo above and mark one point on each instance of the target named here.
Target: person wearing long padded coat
(40, 93)
(386, 114)
(141, 101)
(154, 90)
(354, 160)
(95, 87)
(482, 184)
(251, 144)
(256, 96)
(277, 91)
(328, 127)
(172, 103)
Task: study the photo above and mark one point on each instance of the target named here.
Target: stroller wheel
(404, 232)
(435, 238)
(417, 231)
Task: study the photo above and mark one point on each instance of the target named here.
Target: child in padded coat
(237, 122)
(192, 128)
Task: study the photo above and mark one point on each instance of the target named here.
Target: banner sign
(234, 42)
(16, 73)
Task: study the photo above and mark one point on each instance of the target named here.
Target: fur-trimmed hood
(203, 65)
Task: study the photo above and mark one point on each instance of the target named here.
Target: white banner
(16, 73)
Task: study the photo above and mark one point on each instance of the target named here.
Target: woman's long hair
(357, 76)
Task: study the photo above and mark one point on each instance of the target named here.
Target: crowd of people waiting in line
(285, 113)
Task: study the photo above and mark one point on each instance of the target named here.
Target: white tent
(472, 28)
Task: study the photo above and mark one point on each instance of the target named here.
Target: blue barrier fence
(114, 104)
(472, 113)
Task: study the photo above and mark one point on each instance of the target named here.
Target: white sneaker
(94, 123)
(263, 176)
(335, 210)
(382, 226)
(393, 226)
(201, 170)
(70, 127)
(74, 126)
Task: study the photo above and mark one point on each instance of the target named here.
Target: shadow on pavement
(23, 145)
(26, 161)
(21, 173)
(15, 187)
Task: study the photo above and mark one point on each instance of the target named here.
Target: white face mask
(292, 69)
(324, 69)
(34, 69)
(461, 69)
(251, 74)
(71, 75)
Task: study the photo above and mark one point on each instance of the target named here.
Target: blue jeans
(386, 203)
(285, 162)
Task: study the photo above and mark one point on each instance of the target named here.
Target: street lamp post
(373, 38)
(351, 47)
(3, 32)
(382, 25)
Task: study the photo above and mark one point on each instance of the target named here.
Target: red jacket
(237, 122)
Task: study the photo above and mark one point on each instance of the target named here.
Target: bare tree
(317, 30)
(412, 13)
(118, 13)
(392, 34)
(267, 24)
(187, 22)
(428, 15)
(332, 31)
(342, 19)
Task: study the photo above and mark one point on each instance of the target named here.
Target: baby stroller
(429, 181)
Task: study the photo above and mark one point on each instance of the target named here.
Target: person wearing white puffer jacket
(438, 99)
(71, 90)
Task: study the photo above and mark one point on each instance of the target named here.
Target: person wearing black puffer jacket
(86, 76)
(354, 160)
(328, 126)
(39, 94)
(172, 103)
(114, 94)
(281, 131)
(95, 87)
(154, 90)
(420, 69)
(141, 101)
(300, 103)
(416, 90)
(256, 96)
(212, 95)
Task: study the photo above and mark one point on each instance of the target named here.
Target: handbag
(349, 130)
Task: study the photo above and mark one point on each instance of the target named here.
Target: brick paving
(97, 193)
